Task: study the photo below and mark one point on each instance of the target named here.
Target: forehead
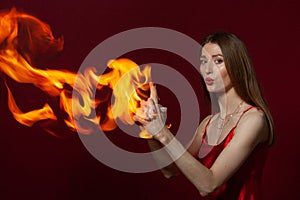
(211, 49)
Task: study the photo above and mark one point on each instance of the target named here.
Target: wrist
(164, 136)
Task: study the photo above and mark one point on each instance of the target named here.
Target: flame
(30, 117)
(24, 40)
(125, 89)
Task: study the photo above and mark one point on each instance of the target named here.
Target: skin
(252, 129)
(212, 66)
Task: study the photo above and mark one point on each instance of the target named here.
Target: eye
(218, 61)
(203, 62)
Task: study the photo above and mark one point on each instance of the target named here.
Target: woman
(226, 158)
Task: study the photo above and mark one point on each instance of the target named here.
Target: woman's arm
(163, 157)
(251, 130)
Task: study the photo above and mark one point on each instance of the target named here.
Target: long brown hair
(241, 72)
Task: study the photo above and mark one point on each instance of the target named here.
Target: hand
(151, 115)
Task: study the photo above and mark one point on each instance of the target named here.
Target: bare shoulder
(253, 125)
(254, 116)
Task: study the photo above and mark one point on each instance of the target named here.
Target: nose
(208, 67)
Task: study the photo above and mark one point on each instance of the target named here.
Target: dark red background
(37, 165)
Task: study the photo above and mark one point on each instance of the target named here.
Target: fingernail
(151, 83)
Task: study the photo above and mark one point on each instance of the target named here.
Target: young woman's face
(213, 69)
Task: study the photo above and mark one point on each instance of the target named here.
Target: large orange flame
(24, 39)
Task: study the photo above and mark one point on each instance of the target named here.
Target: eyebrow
(217, 55)
(213, 56)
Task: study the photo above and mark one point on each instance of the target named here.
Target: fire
(31, 117)
(125, 89)
(24, 39)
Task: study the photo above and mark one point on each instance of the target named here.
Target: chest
(216, 133)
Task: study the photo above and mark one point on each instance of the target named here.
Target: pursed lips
(209, 81)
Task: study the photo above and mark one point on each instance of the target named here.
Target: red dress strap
(246, 110)
(205, 129)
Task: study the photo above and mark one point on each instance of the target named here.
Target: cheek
(225, 77)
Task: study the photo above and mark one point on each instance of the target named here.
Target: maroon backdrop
(37, 165)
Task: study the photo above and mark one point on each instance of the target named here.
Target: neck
(228, 102)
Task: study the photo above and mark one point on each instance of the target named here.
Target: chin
(216, 90)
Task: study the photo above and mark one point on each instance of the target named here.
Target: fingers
(149, 109)
(145, 113)
(140, 119)
(163, 109)
(154, 97)
(153, 92)
(154, 108)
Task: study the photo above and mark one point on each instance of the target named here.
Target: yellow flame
(124, 89)
(23, 37)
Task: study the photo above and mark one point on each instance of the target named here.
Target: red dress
(245, 184)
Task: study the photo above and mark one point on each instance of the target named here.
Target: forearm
(199, 175)
(162, 158)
